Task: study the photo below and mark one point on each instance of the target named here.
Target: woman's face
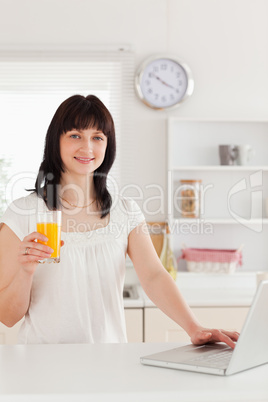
(82, 151)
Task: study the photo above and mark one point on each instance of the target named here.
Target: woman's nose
(87, 145)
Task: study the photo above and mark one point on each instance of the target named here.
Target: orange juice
(53, 232)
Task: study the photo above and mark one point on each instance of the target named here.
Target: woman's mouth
(83, 160)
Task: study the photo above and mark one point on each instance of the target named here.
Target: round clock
(163, 82)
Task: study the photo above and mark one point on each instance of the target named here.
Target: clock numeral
(163, 99)
(150, 75)
(163, 66)
(172, 97)
(178, 91)
(150, 91)
(156, 69)
(180, 83)
(147, 82)
(178, 75)
(156, 96)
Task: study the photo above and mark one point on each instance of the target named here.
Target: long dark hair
(77, 112)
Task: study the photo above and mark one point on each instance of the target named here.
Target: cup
(245, 154)
(48, 223)
(228, 154)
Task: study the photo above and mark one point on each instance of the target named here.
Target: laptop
(251, 348)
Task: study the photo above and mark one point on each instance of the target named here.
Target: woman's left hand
(204, 335)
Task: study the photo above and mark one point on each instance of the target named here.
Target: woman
(80, 299)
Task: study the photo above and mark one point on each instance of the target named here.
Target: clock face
(163, 83)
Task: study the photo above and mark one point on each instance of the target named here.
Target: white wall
(225, 42)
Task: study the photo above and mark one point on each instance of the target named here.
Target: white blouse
(80, 299)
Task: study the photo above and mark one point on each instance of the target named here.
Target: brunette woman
(80, 300)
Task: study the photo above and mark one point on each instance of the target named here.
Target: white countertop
(204, 290)
(113, 372)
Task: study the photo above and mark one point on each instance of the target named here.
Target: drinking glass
(49, 224)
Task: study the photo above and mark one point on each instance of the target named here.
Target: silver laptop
(251, 349)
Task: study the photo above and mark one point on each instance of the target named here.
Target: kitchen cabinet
(160, 328)
(149, 324)
(134, 324)
(232, 198)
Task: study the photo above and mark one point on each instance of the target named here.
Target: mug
(245, 154)
(228, 154)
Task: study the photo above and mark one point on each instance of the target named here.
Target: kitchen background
(225, 43)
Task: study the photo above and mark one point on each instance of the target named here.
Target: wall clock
(163, 82)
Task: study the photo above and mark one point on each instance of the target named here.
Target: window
(32, 86)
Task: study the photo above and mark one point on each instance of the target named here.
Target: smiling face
(82, 151)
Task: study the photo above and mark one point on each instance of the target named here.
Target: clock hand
(163, 82)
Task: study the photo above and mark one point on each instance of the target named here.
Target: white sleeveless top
(80, 299)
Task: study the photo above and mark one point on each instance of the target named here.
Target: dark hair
(77, 112)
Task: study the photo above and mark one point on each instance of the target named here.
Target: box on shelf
(212, 260)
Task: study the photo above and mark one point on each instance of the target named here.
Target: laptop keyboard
(219, 359)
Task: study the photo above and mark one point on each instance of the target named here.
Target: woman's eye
(74, 136)
(98, 138)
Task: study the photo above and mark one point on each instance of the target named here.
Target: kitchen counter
(112, 372)
(205, 290)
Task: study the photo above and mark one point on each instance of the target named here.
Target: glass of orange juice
(49, 224)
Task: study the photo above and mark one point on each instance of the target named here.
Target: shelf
(219, 221)
(220, 168)
(229, 192)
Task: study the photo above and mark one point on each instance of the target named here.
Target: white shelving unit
(233, 197)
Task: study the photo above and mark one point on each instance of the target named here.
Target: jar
(190, 198)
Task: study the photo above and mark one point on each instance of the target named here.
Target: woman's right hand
(31, 251)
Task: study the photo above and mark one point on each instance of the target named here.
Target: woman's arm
(163, 291)
(16, 272)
